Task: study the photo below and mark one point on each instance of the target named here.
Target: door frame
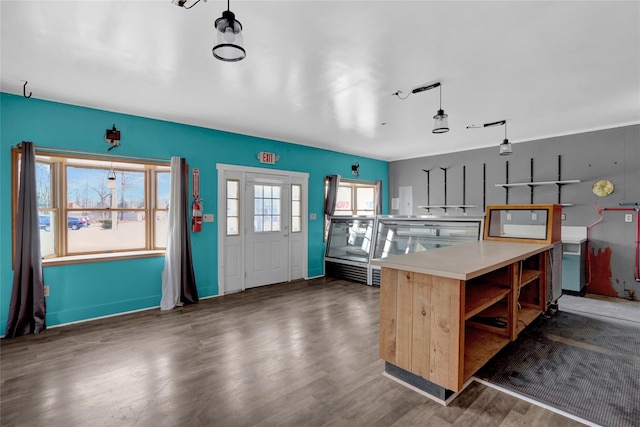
(294, 177)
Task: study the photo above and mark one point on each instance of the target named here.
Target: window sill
(114, 256)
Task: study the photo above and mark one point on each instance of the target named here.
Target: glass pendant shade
(441, 122)
(228, 45)
(505, 148)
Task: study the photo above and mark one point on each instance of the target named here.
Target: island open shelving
(445, 313)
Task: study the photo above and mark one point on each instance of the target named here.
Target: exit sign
(269, 158)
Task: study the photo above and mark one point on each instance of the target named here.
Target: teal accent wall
(84, 291)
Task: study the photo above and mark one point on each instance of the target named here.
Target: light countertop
(464, 261)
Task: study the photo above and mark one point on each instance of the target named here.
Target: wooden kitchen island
(444, 313)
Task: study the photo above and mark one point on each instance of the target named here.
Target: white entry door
(267, 229)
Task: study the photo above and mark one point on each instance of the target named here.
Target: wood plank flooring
(297, 354)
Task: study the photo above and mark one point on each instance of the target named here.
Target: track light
(229, 41)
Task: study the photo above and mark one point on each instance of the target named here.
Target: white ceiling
(322, 73)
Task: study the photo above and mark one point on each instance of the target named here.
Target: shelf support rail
(445, 189)
(428, 202)
(531, 185)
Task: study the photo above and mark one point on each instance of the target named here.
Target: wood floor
(297, 354)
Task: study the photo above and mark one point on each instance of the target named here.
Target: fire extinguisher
(196, 216)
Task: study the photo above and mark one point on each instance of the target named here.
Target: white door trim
(222, 229)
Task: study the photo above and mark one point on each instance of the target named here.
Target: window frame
(60, 161)
(353, 186)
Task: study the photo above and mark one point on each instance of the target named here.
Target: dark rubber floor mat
(583, 366)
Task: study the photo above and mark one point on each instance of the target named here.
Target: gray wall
(612, 154)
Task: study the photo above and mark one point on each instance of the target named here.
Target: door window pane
(266, 208)
(296, 212)
(233, 207)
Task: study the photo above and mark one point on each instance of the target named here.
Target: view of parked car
(45, 222)
(74, 222)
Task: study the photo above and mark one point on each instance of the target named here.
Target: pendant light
(228, 45)
(441, 123)
(505, 147)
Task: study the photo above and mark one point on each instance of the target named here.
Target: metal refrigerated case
(397, 235)
(349, 246)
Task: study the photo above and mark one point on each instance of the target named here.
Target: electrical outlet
(46, 290)
(564, 217)
(534, 217)
(508, 216)
(628, 218)
(312, 216)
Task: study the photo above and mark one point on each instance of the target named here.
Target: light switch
(207, 218)
(628, 218)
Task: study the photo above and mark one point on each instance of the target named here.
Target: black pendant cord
(198, 1)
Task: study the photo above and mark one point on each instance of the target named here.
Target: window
(266, 208)
(353, 198)
(97, 206)
(233, 207)
(296, 208)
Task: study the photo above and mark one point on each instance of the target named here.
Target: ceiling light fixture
(182, 3)
(441, 122)
(228, 45)
(505, 146)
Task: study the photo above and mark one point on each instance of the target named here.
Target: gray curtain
(188, 290)
(27, 310)
(178, 277)
(378, 197)
(332, 195)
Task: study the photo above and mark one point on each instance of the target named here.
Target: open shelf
(480, 346)
(537, 183)
(478, 297)
(525, 316)
(528, 276)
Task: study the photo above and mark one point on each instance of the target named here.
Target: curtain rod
(93, 154)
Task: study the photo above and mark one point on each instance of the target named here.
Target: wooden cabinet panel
(388, 292)
(404, 315)
(421, 350)
(442, 327)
